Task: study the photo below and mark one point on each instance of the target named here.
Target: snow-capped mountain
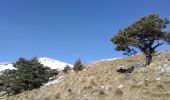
(53, 64)
(6, 65)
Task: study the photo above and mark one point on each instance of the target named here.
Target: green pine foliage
(78, 66)
(145, 35)
(27, 75)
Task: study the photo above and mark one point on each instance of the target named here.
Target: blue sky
(69, 29)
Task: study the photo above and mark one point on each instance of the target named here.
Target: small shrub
(47, 98)
(102, 92)
(87, 87)
(66, 69)
(119, 92)
(57, 96)
(159, 87)
(169, 59)
(92, 82)
(53, 72)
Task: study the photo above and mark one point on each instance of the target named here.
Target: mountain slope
(100, 81)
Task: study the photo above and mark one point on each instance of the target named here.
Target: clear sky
(69, 29)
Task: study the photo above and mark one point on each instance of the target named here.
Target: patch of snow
(54, 81)
(109, 59)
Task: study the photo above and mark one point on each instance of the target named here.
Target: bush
(28, 75)
(66, 69)
(1, 84)
(53, 72)
(78, 66)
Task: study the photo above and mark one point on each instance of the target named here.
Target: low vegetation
(67, 68)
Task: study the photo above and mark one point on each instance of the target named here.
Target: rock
(158, 78)
(120, 86)
(163, 69)
(125, 70)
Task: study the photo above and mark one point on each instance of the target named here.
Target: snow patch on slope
(94, 62)
(54, 81)
(110, 59)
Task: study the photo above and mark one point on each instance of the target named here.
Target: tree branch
(140, 47)
(157, 45)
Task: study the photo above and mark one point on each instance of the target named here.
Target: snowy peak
(53, 64)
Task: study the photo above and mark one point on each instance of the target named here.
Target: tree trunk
(148, 59)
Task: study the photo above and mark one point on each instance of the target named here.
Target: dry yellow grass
(100, 81)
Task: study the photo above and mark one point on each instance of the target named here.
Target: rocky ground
(100, 81)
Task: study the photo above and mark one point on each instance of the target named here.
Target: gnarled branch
(158, 45)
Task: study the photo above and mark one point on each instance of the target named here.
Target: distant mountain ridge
(49, 62)
(53, 64)
(6, 65)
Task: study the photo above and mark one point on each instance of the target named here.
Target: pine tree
(28, 75)
(78, 66)
(146, 34)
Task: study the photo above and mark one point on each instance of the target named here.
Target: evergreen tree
(146, 34)
(28, 75)
(10, 81)
(78, 66)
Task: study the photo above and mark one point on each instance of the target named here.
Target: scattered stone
(147, 79)
(140, 83)
(120, 86)
(103, 87)
(163, 69)
(158, 78)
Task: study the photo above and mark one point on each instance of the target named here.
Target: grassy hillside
(100, 81)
